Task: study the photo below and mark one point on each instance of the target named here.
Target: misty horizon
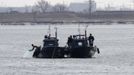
(100, 4)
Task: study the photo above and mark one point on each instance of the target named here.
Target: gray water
(116, 43)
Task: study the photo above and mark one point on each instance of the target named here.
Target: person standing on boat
(45, 37)
(91, 40)
(69, 42)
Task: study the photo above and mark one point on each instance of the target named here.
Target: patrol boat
(78, 47)
(51, 48)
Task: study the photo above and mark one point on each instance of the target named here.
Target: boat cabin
(78, 41)
(50, 42)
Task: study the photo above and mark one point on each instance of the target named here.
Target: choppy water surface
(116, 43)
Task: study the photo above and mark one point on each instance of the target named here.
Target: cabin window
(50, 43)
(80, 43)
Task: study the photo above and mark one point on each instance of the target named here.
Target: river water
(116, 43)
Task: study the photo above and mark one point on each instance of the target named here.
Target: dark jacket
(91, 38)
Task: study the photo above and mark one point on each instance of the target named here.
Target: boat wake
(28, 54)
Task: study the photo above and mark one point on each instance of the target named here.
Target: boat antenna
(49, 30)
(86, 31)
(56, 31)
(79, 31)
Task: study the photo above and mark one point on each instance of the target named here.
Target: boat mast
(79, 30)
(86, 31)
(56, 32)
(49, 30)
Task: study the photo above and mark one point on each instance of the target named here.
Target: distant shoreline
(99, 17)
(62, 23)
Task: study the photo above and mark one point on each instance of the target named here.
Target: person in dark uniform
(69, 42)
(45, 37)
(37, 50)
(91, 40)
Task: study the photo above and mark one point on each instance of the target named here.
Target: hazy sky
(100, 3)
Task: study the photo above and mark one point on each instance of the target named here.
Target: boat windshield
(50, 43)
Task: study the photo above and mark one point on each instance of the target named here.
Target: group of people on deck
(90, 40)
